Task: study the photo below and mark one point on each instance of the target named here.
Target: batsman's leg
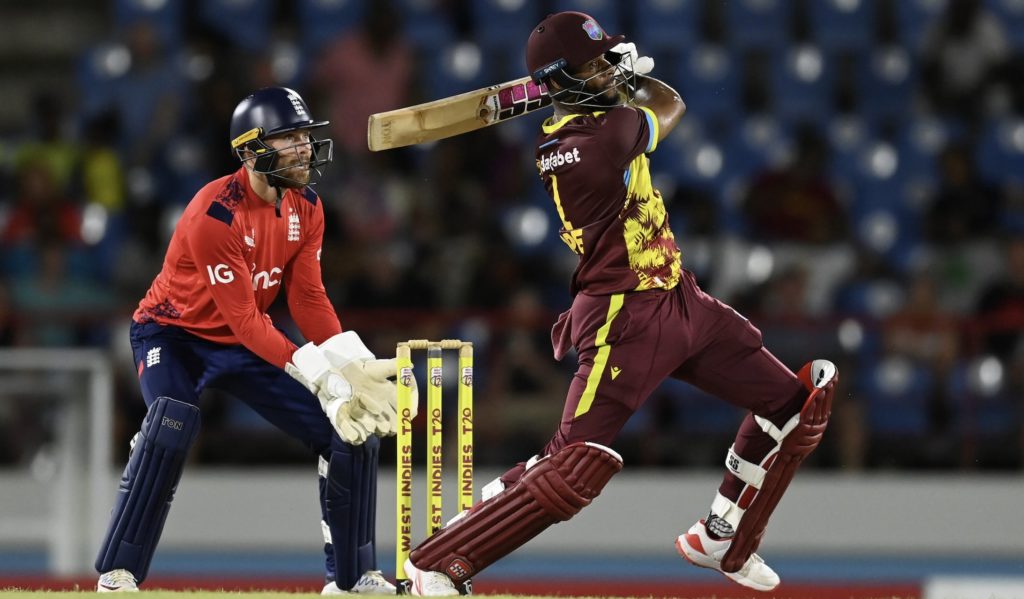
(146, 490)
(727, 539)
(553, 489)
(767, 481)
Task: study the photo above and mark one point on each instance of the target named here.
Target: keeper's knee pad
(147, 486)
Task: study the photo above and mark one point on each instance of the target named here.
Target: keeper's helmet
(271, 111)
(561, 44)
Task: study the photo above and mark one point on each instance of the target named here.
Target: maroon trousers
(629, 343)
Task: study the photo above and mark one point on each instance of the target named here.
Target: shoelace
(752, 561)
(118, 577)
(437, 580)
(373, 578)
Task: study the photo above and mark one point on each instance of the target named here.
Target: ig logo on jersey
(220, 274)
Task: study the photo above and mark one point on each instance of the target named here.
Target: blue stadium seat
(919, 142)
(503, 24)
(915, 17)
(1010, 14)
(426, 23)
(666, 23)
(758, 23)
(166, 17)
(97, 70)
(605, 11)
(709, 82)
(848, 136)
(897, 393)
(887, 82)
(320, 21)
(753, 143)
(885, 221)
(802, 83)
(982, 414)
(246, 23)
(1000, 152)
(842, 24)
(453, 69)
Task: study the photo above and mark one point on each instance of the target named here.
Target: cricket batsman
(637, 317)
(204, 324)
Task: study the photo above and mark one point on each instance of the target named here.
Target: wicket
(403, 466)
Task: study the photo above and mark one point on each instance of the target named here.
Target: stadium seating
(323, 20)
(246, 23)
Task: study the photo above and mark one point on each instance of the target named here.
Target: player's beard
(613, 96)
(295, 175)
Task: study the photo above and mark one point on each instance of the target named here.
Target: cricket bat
(455, 115)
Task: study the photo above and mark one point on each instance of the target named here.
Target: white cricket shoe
(701, 550)
(370, 583)
(117, 581)
(425, 583)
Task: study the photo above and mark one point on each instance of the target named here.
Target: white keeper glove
(313, 370)
(631, 61)
(372, 391)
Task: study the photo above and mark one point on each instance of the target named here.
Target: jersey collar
(549, 126)
(254, 200)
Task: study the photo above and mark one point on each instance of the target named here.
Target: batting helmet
(271, 111)
(562, 43)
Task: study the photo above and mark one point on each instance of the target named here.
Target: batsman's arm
(663, 100)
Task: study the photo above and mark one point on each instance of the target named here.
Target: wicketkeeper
(204, 324)
(637, 317)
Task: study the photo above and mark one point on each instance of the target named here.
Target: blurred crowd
(849, 175)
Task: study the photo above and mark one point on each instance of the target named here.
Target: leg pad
(349, 496)
(820, 377)
(148, 485)
(554, 489)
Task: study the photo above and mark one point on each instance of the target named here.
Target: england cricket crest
(435, 377)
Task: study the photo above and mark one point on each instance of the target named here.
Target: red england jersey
(228, 258)
(595, 168)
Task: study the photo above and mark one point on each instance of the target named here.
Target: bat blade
(455, 115)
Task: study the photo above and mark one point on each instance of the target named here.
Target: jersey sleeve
(307, 299)
(218, 252)
(626, 132)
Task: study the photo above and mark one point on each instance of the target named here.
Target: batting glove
(630, 60)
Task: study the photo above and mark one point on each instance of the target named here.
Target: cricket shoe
(424, 583)
(371, 583)
(117, 581)
(701, 550)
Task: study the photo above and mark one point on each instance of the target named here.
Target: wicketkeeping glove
(373, 387)
(311, 368)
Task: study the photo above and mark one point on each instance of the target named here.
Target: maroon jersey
(595, 168)
(229, 256)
